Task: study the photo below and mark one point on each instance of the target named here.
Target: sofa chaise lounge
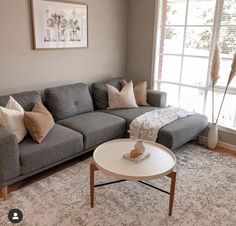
(82, 123)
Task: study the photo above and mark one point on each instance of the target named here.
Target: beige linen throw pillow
(121, 99)
(140, 92)
(12, 118)
(39, 122)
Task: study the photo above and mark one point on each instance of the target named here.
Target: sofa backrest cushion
(69, 100)
(26, 99)
(100, 94)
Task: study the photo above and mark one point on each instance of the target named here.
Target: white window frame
(158, 54)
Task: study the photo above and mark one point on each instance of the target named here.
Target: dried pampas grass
(231, 76)
(233, 69)
(215, 66)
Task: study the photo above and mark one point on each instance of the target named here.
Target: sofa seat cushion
(129, 114)
(60, 143)
(182, 130)
(97, 127)
(172, 135)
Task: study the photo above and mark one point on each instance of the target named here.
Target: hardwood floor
(225, 151)
(218, 149)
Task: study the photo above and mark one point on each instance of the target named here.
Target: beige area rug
(205, 195)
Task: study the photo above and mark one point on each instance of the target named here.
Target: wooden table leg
(93, 168)
(172, 191)
(4, 193)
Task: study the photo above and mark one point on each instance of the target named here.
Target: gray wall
(141, 14)
(22, 68)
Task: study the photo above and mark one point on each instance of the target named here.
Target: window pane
(201, 12)
(229, 12)
(190, 65)
(225, 68)
(171, 68)
(194, 71)
(208, 109)
(173, 42)
(191, 99)
(227, 41)
(227, 115)
(172, 93)
(176, 12)
(198, 41)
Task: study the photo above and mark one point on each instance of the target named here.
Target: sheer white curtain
(186, 34)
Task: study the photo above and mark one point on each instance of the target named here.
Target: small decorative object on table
(134, 153)
(138, 158)
(139, 146)
(138, 153)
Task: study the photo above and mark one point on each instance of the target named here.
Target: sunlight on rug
(205, 195)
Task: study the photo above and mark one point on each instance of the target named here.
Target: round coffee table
(108, 158)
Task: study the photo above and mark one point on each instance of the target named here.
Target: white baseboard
(203, 140)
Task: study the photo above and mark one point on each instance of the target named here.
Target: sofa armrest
(9, 156)
(156, 98)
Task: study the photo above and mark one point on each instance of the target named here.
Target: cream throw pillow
(140, 92)
(12, 118)
(121, 99)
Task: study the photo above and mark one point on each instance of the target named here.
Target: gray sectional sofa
(82, 123)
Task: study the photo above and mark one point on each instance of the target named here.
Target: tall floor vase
(212, 138)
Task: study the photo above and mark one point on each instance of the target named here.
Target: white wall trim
(203, 140)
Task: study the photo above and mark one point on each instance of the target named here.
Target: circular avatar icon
(15, 216)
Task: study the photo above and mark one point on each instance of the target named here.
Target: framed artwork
(58, 24)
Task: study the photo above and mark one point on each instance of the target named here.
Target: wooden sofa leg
(4, 193)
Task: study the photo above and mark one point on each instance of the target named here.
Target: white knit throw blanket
(147, 126)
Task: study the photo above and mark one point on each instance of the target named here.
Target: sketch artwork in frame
(59, 24)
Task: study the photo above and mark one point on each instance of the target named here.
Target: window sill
(224, 129)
